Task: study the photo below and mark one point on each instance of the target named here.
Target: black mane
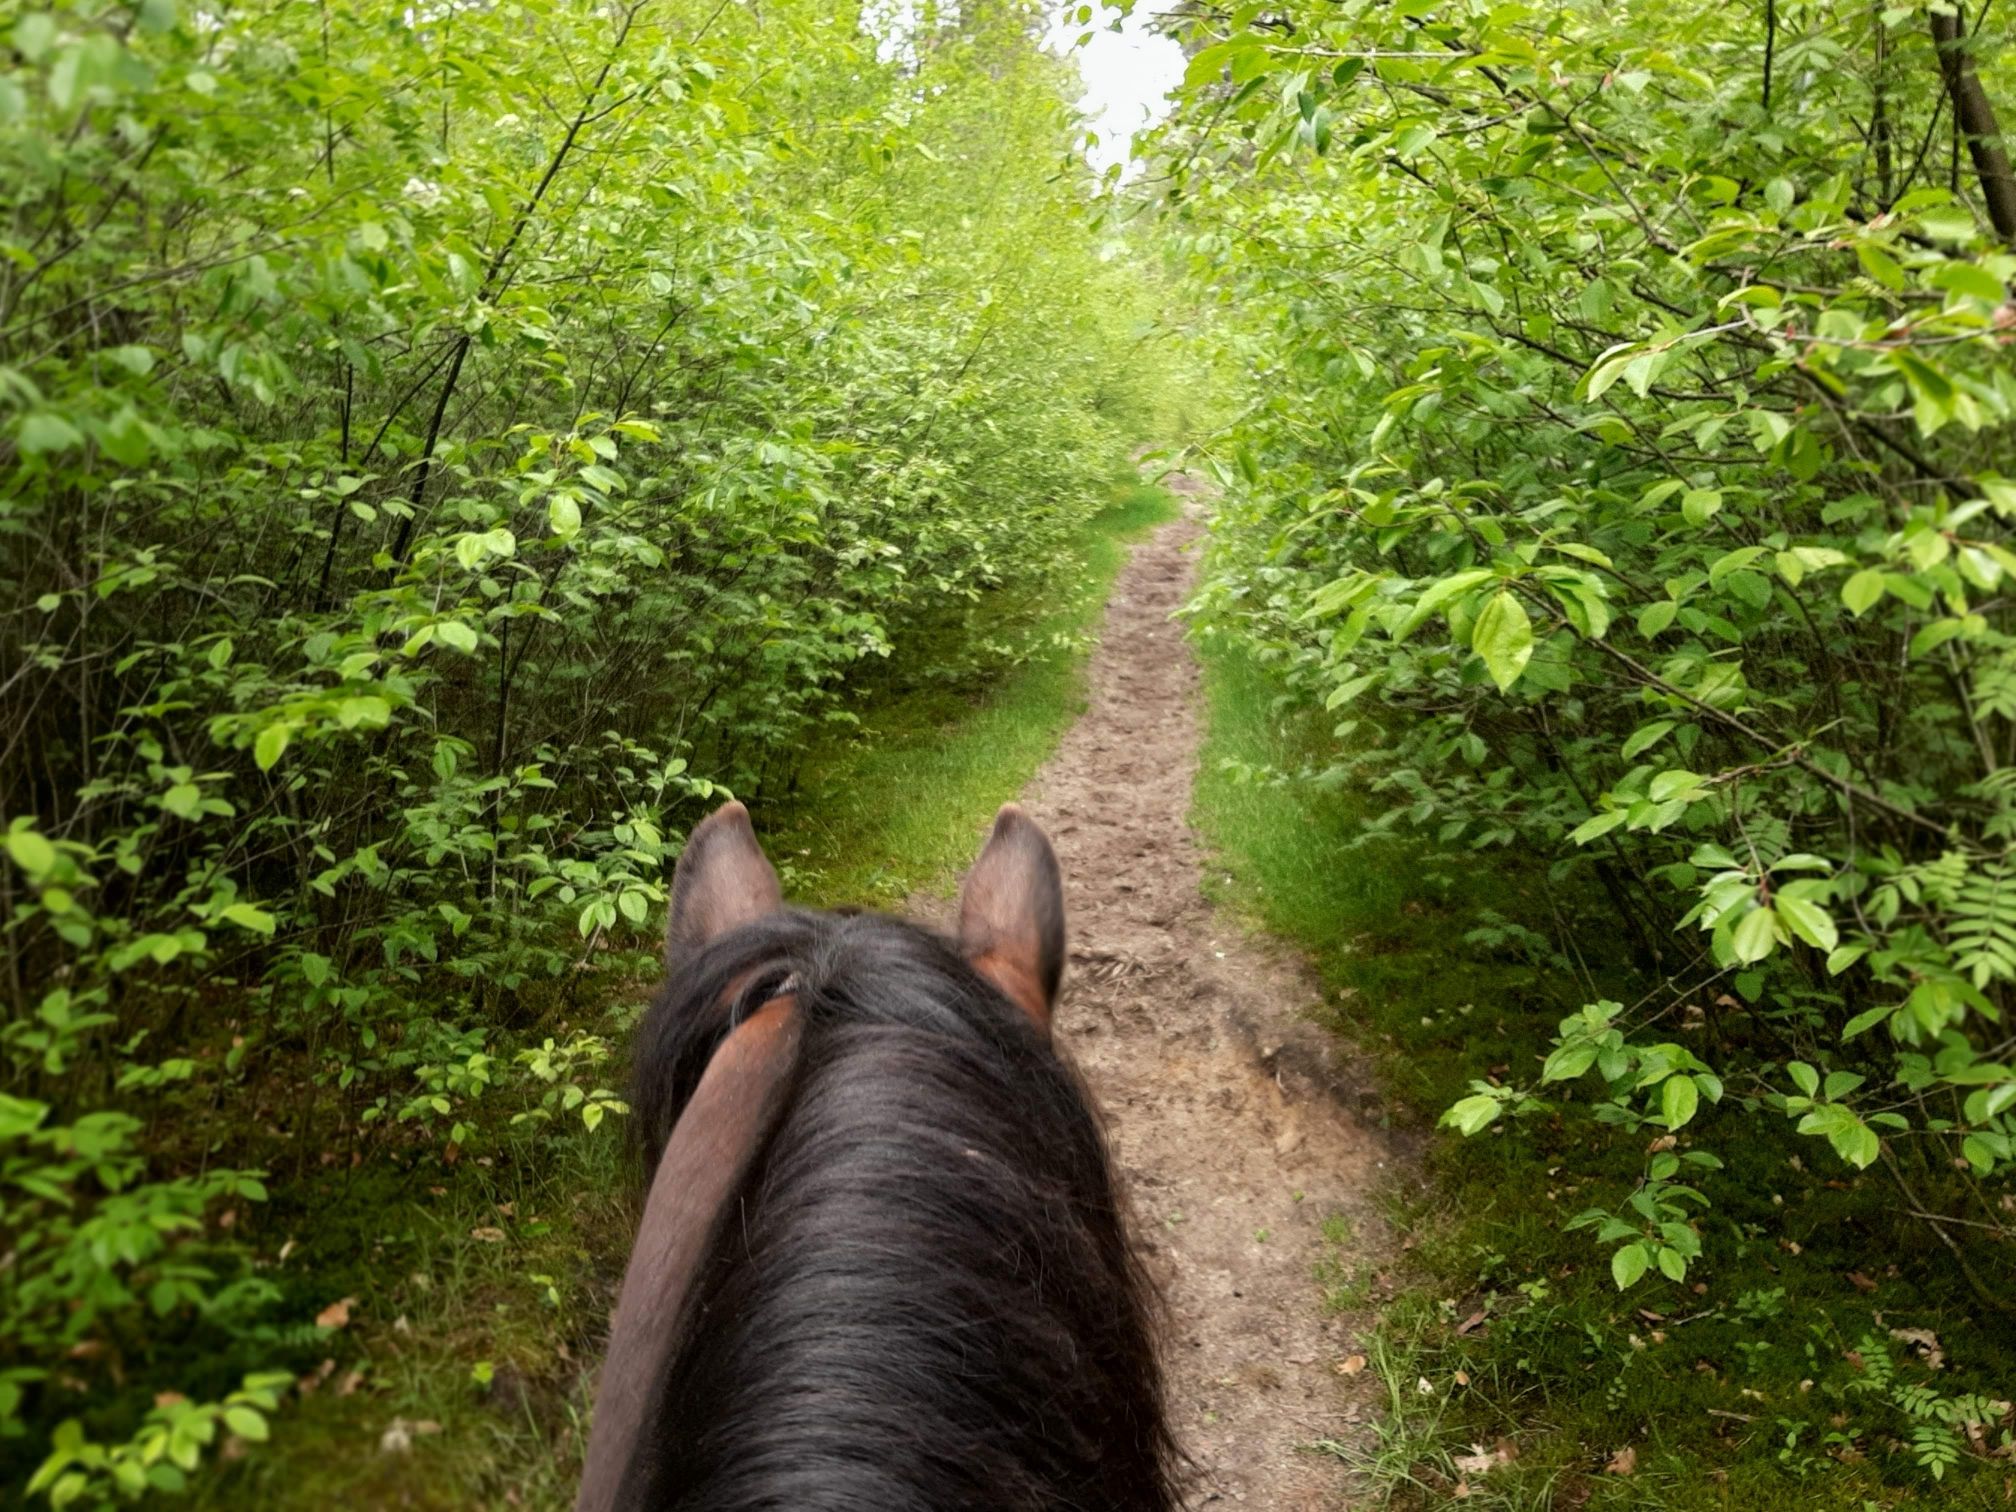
(925, 1300)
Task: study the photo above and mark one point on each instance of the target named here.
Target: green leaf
(1473, 1114)
(1503, 638)
(43, 432)
(1809, 921)
(1862, 591)
(1979, 1153)
(1654, 619)
(1879, 265)
(1646, 736)
(1568, 1062)
(1598, 824)
(1678, 1098)
(456, 633)
(34, 35)
(1700, 505)
(1628, 1264)
(1973, 281)
(1413, 140)
(1606, 372)
(1756, 935)
(271, 745)
(183, 800)
(1856, 1143)
(369, 711)
(1674, 784)
(31, 852)
(247, 917)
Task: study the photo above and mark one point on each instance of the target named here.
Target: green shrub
(443, 451)
(1620, 480)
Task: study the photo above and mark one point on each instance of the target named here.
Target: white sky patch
(1127, 74)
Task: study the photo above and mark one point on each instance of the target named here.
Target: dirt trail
(1237, 1127)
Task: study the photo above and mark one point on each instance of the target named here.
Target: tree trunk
(1975, 117)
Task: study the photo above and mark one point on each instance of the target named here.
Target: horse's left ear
(1011, 915)
(722, 882)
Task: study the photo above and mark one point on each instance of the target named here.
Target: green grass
(1739, 1390)
(898, 805)
(480, 1287)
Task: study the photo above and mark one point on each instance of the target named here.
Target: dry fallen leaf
(1623, 1462)
(1924, 1342)
(488, 1235)
(1351, 1366)
(336, 1314)
(398, 1439)
(1471, 1324)
(350, 1382)
(1861, 1282)
(1482, 1461)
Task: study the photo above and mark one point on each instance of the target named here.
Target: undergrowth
(1789, 1369)
(890, 807)
(471, 1295)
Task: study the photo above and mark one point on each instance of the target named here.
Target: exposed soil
(1236, 1121)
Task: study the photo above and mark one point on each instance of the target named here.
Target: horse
(882, 1264)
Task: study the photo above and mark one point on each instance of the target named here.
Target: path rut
(1238, 1124)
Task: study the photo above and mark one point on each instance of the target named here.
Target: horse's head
(1011, 911)
(739, 961)
(880, 1033)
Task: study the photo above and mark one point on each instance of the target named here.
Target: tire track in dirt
(1235, 1121)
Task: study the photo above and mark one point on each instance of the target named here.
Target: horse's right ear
(722, 882)
(1011, 915)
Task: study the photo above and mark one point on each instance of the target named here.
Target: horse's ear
(722, 882)
(1011, 915)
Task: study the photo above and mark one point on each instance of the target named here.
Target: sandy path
(1236, 1125)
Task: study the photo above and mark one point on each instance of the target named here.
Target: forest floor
(1251, 1145)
